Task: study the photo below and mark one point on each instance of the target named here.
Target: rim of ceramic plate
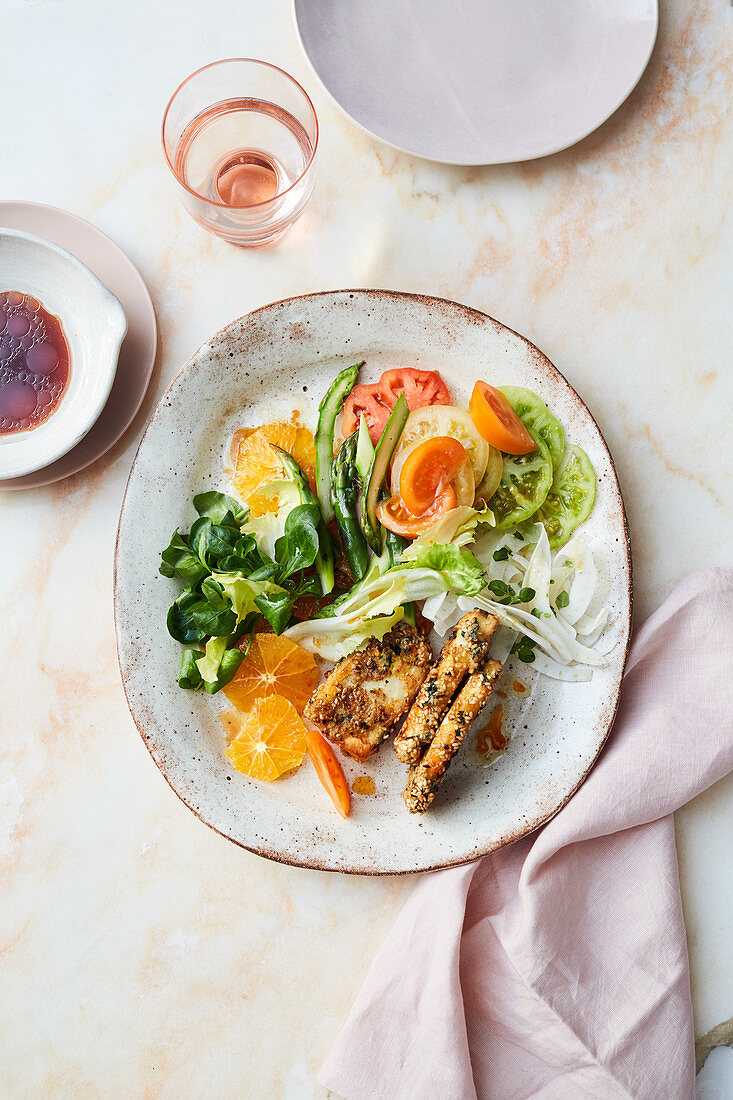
(529, 826)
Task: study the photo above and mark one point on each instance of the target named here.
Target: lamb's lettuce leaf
(230, 580)
(220, 508)
(179, 559)
(298, 547)
(189, 676)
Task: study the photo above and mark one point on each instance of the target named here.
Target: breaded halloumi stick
(466, 650)
(425, 778)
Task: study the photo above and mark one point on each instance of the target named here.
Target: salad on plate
(316, 588)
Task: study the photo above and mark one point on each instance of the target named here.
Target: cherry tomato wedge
(376, 401)
(396, 516)
(497, 421)
(328, 770)
(370, 401)
(428, 469)
(420, 387)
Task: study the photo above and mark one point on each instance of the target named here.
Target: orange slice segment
(257, 463)
(270, 741)
(273, 666)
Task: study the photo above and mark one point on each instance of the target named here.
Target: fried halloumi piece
(466, 650)
(365, 694)
(425, 778)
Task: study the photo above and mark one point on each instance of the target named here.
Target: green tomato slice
(536, 416)
(570, 499)
(525, 482)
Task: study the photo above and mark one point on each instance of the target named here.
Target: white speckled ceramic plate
(478, 81)
(261, 367)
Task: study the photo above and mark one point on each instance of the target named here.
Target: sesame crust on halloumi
(364, 696)
(465, 651)
(425, 778)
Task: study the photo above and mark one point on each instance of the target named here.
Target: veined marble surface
(141, 954)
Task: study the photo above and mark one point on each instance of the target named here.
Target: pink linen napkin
(557, 967)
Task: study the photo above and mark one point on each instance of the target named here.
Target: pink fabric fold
(557, 967)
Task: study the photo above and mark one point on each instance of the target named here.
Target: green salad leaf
(220, 508)
(179, 559)
(241, 592)
(189, 676)
(218, 664)
(376, 603)
(181, 624)
(461, 569)
(229, 581)
(298, 547)
(277, 608)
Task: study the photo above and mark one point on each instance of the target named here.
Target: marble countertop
(142, 954)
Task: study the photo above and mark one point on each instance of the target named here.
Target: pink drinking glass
(240, 137)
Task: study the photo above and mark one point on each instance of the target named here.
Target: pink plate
(137, 356)
(478, 81)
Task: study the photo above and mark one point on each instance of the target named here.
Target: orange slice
(270, 741)
(257, 463)
(273, 666)
(239, 435)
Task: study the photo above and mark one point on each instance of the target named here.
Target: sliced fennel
(566, 637)
(450, 568)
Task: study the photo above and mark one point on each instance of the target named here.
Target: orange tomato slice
(428, 469)
(396, 516)
(329, 771)
(497, 421)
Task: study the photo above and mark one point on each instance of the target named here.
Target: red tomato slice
(420, 387)
(328, 770)
(396, 516)
(428, 469)
(376, 401)
(370, 401)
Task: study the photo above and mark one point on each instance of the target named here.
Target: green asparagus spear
(328, 410)
(382, 454)
(394, 544)
(344, 495)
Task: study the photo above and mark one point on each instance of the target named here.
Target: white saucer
(137, 354)
(94, 326)
(478, 81)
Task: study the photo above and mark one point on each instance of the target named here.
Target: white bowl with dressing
(94, 325)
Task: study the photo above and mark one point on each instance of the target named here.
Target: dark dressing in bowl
(34, 362)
